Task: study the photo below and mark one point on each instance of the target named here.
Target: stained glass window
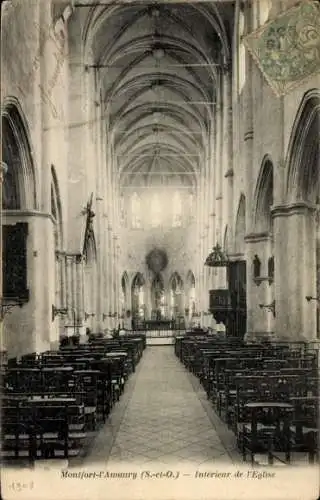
(136, 211)
(155, 211)
(177, 210)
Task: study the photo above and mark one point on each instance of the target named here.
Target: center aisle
(161, 419)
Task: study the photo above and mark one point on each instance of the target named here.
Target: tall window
(122, 211)
(177, 210)
(138, 296)
(175, 295)
(158, 298)
(191, 205)
(191, 294)
(155, 211)
(136, 211)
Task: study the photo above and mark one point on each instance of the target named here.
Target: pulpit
(228, 302)
(220, 305)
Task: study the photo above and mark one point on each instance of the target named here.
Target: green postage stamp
(287, 49)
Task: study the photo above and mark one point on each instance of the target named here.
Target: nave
(163, 419)
(206, 400)
(156, 189)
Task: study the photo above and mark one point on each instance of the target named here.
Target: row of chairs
(267, 393)
(52, 401)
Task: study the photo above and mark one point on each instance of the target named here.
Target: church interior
(160, 238)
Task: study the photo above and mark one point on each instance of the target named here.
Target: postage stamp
(287, 49)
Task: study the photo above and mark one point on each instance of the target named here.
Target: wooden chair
(267, 430)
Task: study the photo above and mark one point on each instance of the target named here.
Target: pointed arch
(19, 185)
(302, 162)
(190, 280)
(135, 211)
(176, 209)
(176, 282)
(263, 197)
(138, 295)
(158, 297)
(125, 281)
(155, 210)
(240, 226)
(158, 281)
(176, 291)
(138, 281)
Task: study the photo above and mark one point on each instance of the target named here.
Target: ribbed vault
(158, 72)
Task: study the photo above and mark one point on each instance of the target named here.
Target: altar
(159, 324)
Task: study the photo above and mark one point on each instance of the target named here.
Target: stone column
(227, 187)
(69, 288)
(201, 242)
(260, 291)
(63, 279)
(79, 262)
(74, 291)
(99, 216)
(248, 152)
(295, 258)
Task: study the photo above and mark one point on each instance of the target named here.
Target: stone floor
(163, 417)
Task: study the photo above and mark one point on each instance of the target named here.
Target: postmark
(287, 49)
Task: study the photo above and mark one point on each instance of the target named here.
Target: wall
(178, 242)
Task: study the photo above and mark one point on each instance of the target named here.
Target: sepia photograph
(160, 250)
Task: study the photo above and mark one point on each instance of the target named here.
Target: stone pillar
(260, 291)
(79, 264)
(218, 183)
(248, 145)
(295, 258)
(63, 279)
(70, 290)
(227, 188)
(227, 148)
(99, 287)
(59, 301)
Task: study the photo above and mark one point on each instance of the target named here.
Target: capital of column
(79, 258)
(295, 208)
(60, 255)
(248, 135)
(257, 237)
(74, 258)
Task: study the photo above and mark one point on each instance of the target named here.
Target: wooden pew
(39, 427)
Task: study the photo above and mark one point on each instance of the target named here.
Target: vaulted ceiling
(159, 69)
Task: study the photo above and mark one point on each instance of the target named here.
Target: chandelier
(217, 258)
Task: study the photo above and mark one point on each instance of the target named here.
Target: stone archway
(158, 311)
(260, 256)
(19, 269)
(295, 222)
(176, 296)
(138, 298)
